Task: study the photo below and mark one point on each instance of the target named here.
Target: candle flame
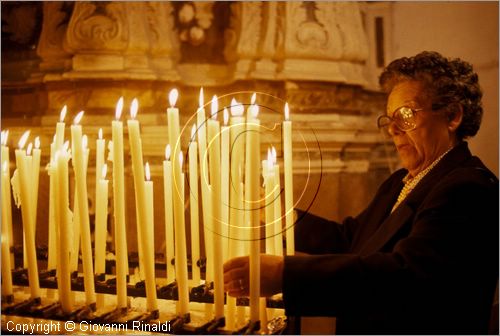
(215, 107)
(172, 97)
(200, 99)
(23, 139)
(193, 132)
(37, 142)
(84, 141)
(4, 167)
(5, 135)
(287, 112)
(30, 147)
(181, 158)
(273, 152)
(226, 116)
(147, 172)
(270, 160)
(63, 113)
(236, 108)
(104, 171)
(119, 108)
(134, 106)
(254, 111)
(167, 152)
(66, 145)
(100, 133)
(254, 98)
(78, 118)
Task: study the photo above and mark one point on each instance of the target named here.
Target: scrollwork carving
(97, 27)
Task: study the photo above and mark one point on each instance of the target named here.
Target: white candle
(101, 220)
(27, 216)
(225, 186)
(268, 175)
(6, 264)
(36, 176)
(6, 200)
(252, 199)
(278, 229)
(236, 213)
(181, 271)
(29, 165)
(135, 141)
(59, 136)
(193, 196)
(148, 248)
(288, 172)
(205, 188)
(215, 181)
(61, 159)
(119, 208)
(83, 208)
(169, 215)
(99, 162)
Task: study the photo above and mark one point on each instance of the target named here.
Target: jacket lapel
(406, 210)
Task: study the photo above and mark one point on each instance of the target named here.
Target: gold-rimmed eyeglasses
(404, 119)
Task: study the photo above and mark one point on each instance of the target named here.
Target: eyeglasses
(403, 117)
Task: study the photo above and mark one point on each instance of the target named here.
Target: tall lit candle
(148, 247)
(181, 271)
(205, 187)
(169, 215)
(252, 197)
(6, 262)
(59, 136)
(215, 181)
(99, 160)
(135, 141)
(27, 217)
(6, 200)
(278, 229)
(101, 219)
(193, 196)
(288, 172)
(225, 185)
(119, 208)
(237, 130)
(83, 208)
(268, 175)
(29, 165)
(61, 158)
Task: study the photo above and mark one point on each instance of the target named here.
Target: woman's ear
(455, 115)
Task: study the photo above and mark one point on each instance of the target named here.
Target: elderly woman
(423, 256)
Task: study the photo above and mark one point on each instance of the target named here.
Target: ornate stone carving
(50, 46)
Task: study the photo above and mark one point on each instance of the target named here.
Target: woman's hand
(237, 275)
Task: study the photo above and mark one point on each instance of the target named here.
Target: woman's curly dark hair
(450, 84)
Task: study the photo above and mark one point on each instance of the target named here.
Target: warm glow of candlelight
(133, 108)
(215, 107)
(119, 108)
(104, 171)
(84, 141)
(237, 109)
(287, 112)
(37, 142)
(253, 99)
(273, 152)
(167, 152)
(226, 116)
(270, 160)
(181, 159)
(5, 135)
(100, 133)
(193, 132)
(23, 139)
(78, 118)
(66, 145)
(63, 113)
(147, 172)
(4, 168)
(201, 100)
(30, 147)
(172, 97)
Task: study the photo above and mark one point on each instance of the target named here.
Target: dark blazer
(429, 267)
